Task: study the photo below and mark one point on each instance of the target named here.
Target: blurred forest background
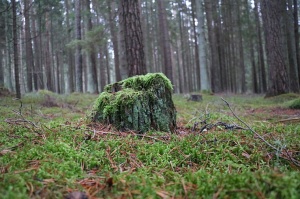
(67, 46)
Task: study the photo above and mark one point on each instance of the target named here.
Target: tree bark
(38, 79)
(1, 69)
(215, 76)
(8, 37)
(78, 58)
(261, 62)
(291, 46)
(196, 47)
(92, 68)
(241, 65)
(296, 30)
(133, 37)
(16, 53)
(165, 40)
(202, 46)
(28, 45)
(48, 54)
(114, 36)
(272, 14)
(70, 58)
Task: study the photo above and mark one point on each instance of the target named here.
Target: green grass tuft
(295, 104)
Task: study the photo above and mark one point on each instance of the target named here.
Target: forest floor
(248, 148)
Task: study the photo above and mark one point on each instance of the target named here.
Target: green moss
(295, 104)
(137, 103)
(140, 82)
(284, 97)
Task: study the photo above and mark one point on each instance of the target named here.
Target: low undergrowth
(48, 151)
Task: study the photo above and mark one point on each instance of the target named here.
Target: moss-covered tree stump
(139, 103)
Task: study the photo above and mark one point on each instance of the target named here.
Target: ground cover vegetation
(48, 150)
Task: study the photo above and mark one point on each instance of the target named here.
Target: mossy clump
(4, 91)
(139, 103)
(295, 104)
(284, 97)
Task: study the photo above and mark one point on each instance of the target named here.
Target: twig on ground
(295, 162)
(258, 135)
(22, 119)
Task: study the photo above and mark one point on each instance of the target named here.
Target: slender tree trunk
(291, 45)
(261, 62)
(114, 35)
(272, 14)
(48, 55)
(103, 68)
(8, 38)
(16, 53)
(92, 68)
(215, 77)
(106, 53)
(202, 46)
(182, 65)
(36, 54)
(254, 75)
(78, 58)
(70, 58)
(1, 68)
(165, 40)
(196, 47)
(58, 82)
(242, 72)
(28, 45)
(296, 30)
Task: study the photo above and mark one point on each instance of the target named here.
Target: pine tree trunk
(215, 76)
(261, 62)
(78, 57)
(92, 66)
(1, 69)
(202, 46)
(133, 37)
(272, 14)
(16, 53)
(165, 40)
(28, 45)
(114, 36)
(296, 33)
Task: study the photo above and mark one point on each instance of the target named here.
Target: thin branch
(258, 135)
(295, 162)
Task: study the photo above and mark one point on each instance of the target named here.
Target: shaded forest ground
(48, 151)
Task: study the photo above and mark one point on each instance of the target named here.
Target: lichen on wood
(139, 103)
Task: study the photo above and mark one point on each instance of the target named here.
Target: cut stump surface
(140, 103)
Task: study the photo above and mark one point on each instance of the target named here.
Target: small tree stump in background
(139, 103)
(195, 97)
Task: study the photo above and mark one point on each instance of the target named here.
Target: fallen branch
(289, 120)
(22, 119)
(278, 151)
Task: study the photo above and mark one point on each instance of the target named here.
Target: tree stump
(195, 98)
(139, 103)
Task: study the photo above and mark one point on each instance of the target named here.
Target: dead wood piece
(195, 98)
(289, 120)
(140, 103)
(50, 101)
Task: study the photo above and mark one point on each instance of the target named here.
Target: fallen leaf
(246, 155)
